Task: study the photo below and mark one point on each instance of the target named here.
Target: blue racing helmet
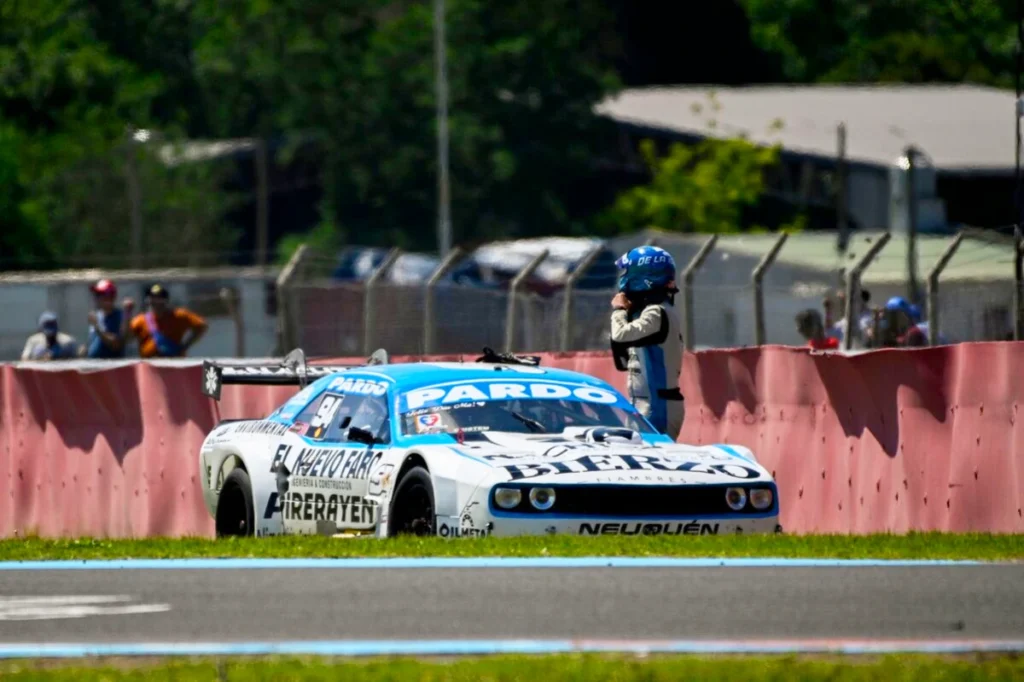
(645, 268)
(915, 313)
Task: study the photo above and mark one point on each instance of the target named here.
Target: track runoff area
(476, 606)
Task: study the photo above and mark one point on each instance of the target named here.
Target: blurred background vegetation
(95, 96)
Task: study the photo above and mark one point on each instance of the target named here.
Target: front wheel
(412, 508)
(235, 516)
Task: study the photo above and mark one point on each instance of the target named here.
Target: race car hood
(576, 458)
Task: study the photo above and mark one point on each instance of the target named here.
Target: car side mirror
(358, 435)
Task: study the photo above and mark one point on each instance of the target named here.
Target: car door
(342, 435)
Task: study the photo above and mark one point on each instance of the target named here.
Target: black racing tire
(235, 515)
(412, 506)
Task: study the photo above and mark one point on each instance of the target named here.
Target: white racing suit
(649, 346)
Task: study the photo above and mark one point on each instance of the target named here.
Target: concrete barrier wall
(924, 439)
(892, 440)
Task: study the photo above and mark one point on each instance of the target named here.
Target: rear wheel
(412, 508)
(235, 516)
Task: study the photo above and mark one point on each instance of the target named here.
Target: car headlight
(508, 498)
(761, 498)
(542, 498)
(736, 498)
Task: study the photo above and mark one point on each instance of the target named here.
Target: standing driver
(645, 336)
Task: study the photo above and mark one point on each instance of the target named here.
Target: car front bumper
(590, 510)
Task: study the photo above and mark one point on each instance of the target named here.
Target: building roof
(964, 128)
(975, 259)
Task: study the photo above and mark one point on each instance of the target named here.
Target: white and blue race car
(498, 447)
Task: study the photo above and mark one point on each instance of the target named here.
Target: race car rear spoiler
(291, 371)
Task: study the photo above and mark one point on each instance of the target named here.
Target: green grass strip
(913, 546)
(562, 668)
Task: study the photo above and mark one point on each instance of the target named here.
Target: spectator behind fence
(810, 326)
(161, 330)
(49, 343)
(915, 317)
(861, 313)
(108, 324)
(894, 327)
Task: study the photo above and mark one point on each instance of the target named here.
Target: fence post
(230, 298)
(688, 274)
(567, 300)
(134, 199)
(913, 293)
(1018, 282)
(429, 318)
(842, 223)
(758, 279)
(287, 308)
(369, 291)
(513, 291)
(853, 287)
(933, 289)
(262, 200)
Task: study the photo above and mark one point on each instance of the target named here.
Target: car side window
(329, 417)
(318, 415)
(369, 413)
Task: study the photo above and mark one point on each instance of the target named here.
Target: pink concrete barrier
(893, 440)
(899, 440)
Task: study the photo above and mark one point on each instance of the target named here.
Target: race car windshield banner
(503, 391)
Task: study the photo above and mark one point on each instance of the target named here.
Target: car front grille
(631, 501)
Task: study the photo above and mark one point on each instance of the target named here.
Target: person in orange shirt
(161, 331)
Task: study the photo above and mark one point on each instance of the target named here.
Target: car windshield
(519, 416)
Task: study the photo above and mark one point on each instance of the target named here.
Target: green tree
(702, 187)
(913, 41)
(358, 78)
(20, 232)
(67, 103)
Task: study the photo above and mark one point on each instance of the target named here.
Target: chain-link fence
(238, 304)
(306, 304)
(333, 317)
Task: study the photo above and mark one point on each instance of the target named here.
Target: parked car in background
(492, 265)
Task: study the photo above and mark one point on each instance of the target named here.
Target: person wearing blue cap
(49, 343)
(896, 327)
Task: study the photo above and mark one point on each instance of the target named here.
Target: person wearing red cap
(108, 324)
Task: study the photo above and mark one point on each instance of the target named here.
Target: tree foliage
(912, 41)
(359, 77)
(68, 100)
(702, 187)
(354, 79)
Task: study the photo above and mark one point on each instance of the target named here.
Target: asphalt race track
(876, 602)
